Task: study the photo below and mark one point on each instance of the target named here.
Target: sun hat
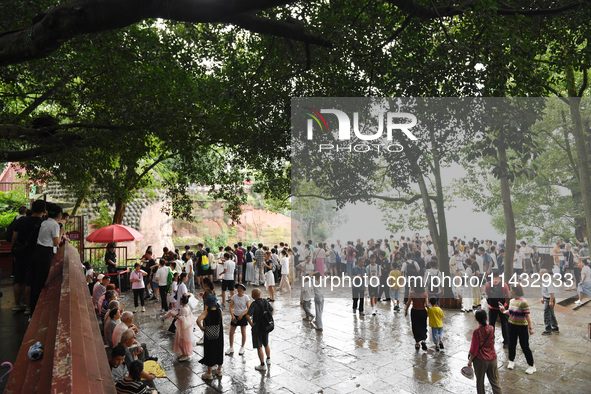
(467, 372)
(240, 284)
(100, 277)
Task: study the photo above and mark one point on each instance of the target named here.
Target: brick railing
(65, 323)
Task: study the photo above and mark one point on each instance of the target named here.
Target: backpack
(495, 295)
(267, 323)
(169, 279)
(212, 265)
(411, 268)
(338, 258)
(204, 262)
(431, 288)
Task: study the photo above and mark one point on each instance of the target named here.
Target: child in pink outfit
(183, 341)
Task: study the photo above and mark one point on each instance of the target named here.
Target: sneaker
(268, 361)
(260, 367)
(27, 311)
(183, 358)
(546, 332)
(18, 308)
(207, 376)
(143, 308)
(511, 365)
(578, 302)
(361, 313)
(241, 352)
(436, 348)
(135, 310)
(354, 310)
(556, 330)
(230, 351)
(531, 370)
(424, 346)
(374, 313)
(441, 346)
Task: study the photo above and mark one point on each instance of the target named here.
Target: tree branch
(407, 201)
(396, 33)
(64, 22)
(412, 8)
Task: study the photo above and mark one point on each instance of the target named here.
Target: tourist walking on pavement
(137, 285)
(161, 277)
(210, 322)
(306, 295)
(497, 294)
(483, 355)
(358, 276)
(269, 276)
(519, 322)
(318, 302)
(548, 293)
(259, 268)
(260, 334)
(285, 269)
(585, 283)
(418, 315)
(183, 340)
(238, 308)
(435, 315)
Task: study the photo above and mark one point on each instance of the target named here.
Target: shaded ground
(373, 354)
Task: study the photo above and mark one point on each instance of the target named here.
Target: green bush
(10, 202)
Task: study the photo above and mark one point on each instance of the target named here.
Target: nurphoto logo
(394, 122)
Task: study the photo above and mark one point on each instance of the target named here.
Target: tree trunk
(578, 133)
(439, 240)
(119, 212)
(508, 209)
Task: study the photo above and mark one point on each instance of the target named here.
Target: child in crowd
(183, 341)
(394, 287)
(435, 315)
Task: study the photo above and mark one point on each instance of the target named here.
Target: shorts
(373, 291)
(228, 285)
(202, 272)
(395, 294)
(259, 338)
(239, 322)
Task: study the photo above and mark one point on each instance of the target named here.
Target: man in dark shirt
(24, 238)
(260, 337)
(199, 267)
(358, 275)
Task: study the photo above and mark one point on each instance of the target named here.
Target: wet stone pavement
(371, 354)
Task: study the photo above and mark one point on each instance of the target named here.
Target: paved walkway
(373, 354)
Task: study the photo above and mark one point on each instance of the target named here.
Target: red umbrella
(114, 233)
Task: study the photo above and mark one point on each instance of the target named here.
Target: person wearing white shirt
(284, 284)
(518, 261)
(227, 277)
(47, 243)
(162, 278)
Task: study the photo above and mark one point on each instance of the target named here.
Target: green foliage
(12, 200)
(104, 216)
(213, 243)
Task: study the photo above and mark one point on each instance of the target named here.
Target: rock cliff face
(255, 225)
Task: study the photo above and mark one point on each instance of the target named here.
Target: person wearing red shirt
(482, 353)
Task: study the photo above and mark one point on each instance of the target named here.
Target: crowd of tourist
(195, 289)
